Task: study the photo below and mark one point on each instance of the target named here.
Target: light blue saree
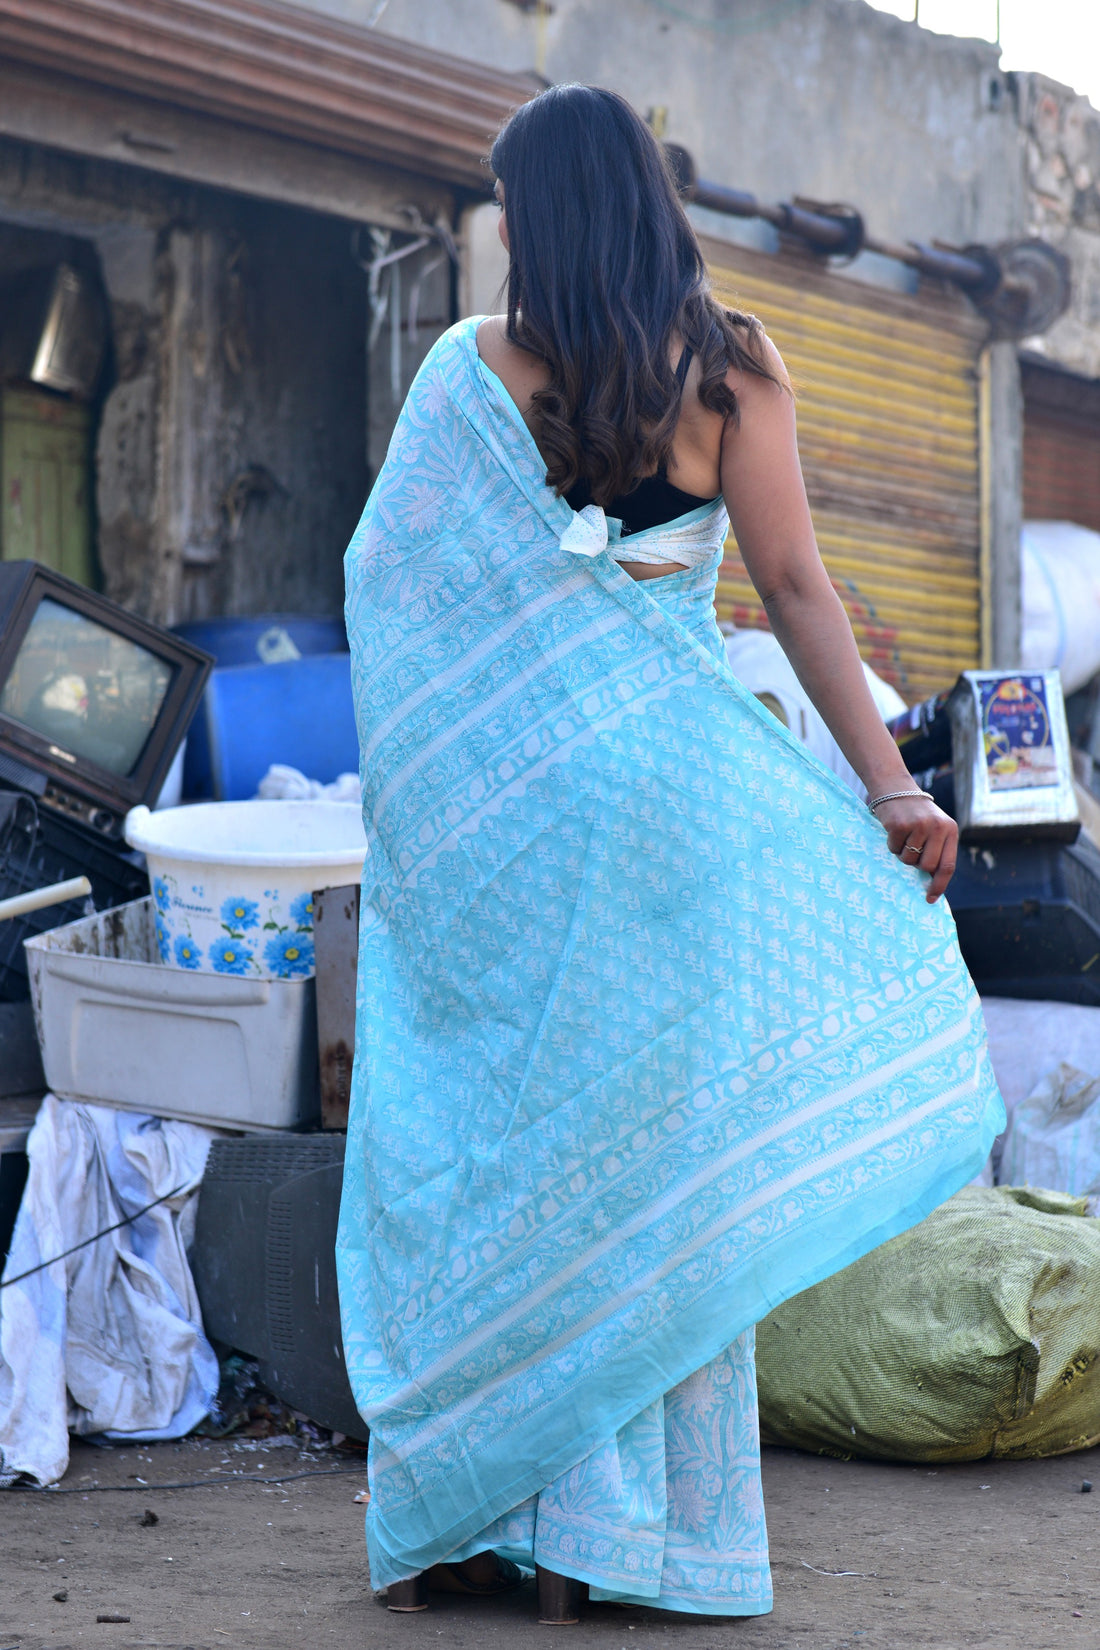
(652, 1031)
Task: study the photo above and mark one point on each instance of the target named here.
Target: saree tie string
(586, 534)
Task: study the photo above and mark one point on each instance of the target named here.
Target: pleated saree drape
(652, 1031)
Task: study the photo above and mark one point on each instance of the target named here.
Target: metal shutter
(888, 410)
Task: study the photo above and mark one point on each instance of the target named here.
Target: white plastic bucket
(232, 881)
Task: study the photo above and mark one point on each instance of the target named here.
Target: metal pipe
(824, 231)
(736, 203)
(972, 270)
(838, 231)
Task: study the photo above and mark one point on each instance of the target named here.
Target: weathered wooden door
(45, 481)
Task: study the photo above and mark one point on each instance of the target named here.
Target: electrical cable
(127, 1220)
(193, 1483)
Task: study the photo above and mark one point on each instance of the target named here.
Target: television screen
(92, 693)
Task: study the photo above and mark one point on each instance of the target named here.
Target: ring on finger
(911, 848)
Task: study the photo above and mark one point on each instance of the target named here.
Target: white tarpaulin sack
(1061, 600)
(1053, 1137)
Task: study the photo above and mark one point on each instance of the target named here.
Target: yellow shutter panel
(888, 398)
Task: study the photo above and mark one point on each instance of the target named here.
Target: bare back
(694, 466)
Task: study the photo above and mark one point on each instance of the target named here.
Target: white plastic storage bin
(118, 1027)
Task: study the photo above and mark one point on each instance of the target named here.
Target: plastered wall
(825, 98)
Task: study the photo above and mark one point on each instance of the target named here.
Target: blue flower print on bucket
(164, 943)
(187, 952)
(229, 956)
(289, 956)
(240, 914)
(162, 897)
(301, 911)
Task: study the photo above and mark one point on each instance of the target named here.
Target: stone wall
(1062, 133)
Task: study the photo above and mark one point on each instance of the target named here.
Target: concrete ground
(989, 1556)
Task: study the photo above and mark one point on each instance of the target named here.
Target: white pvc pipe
(56, 894)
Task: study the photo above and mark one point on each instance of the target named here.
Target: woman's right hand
(921, 834)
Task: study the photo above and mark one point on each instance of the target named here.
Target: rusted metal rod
(973, 270)
(842, 233)
(823, 231)
(837, 231)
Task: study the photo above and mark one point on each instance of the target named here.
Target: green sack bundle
(975, 1334)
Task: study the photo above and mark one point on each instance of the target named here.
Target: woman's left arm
(766, 498)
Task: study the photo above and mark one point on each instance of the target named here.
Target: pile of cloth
(100, 1327)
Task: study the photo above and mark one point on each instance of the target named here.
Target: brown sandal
(449, 1578)
(410, 1595)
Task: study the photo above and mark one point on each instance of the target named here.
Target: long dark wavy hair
(604, 271)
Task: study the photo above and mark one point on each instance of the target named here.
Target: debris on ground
(244, 1410)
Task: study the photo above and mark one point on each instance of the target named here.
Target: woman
(656, 1025)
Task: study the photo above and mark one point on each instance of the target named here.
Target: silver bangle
(893, 796)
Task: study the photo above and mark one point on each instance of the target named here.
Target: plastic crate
(37, 848)
(119, 1028)
(1028, 919)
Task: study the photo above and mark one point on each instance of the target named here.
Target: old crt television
(94, 702)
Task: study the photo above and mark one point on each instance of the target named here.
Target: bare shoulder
(497, 349)
(492, 337)
(520, 372)
(765, 400)
(752, 387)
